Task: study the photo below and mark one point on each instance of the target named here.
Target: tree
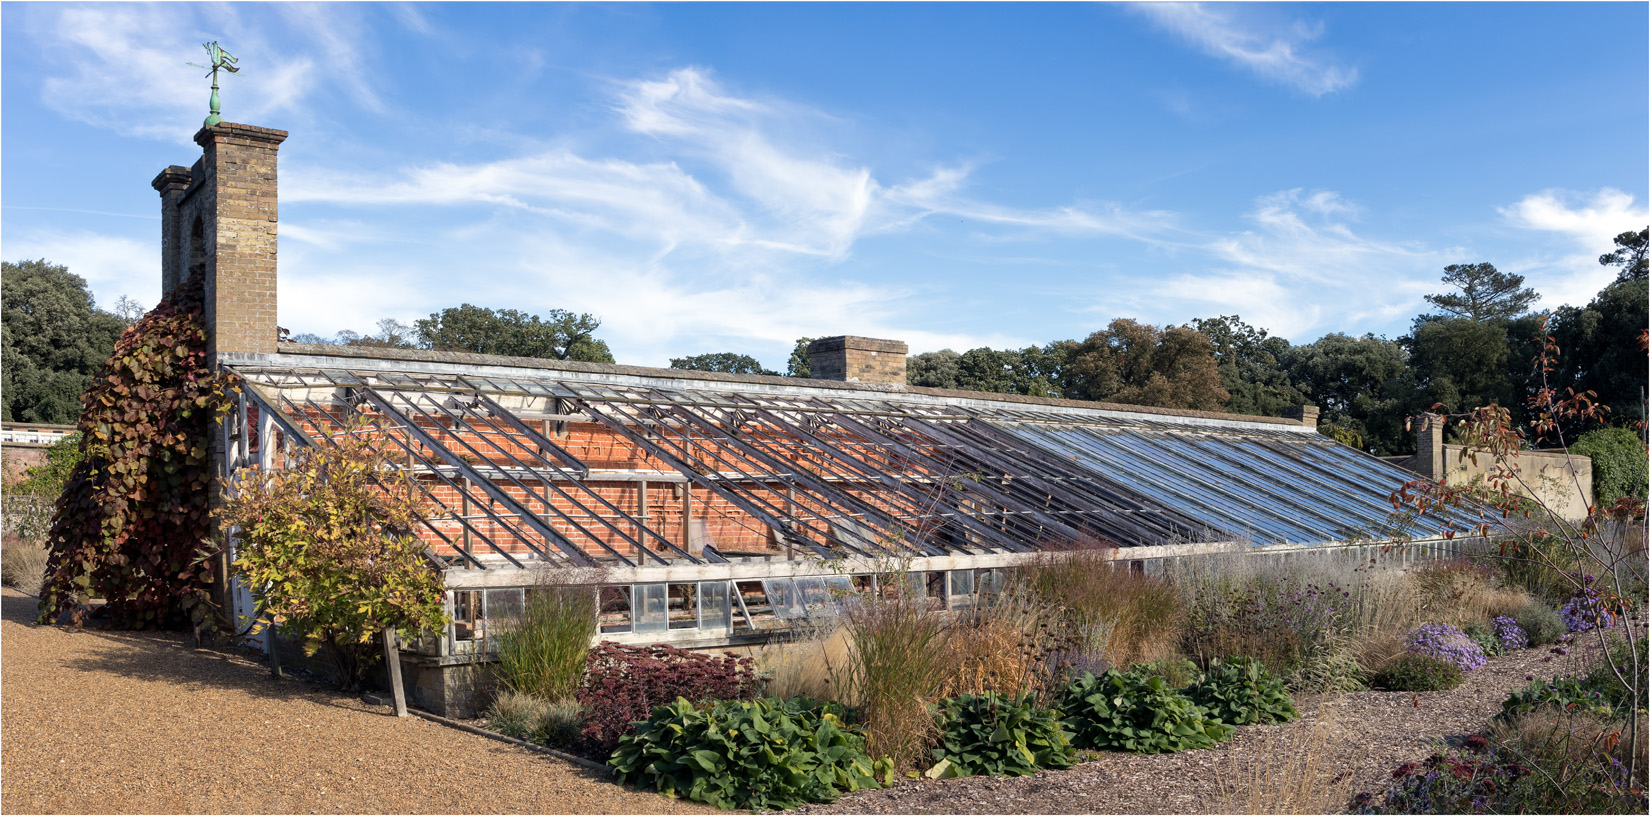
(798, 365)
(1602, 348)
(392, 333)
(933, 369)
(54, 340)
(1139, 364)
(1250, 367)
(1360, 384)
(560, 335)
(1629, 255)
(1462, 363)
(328, 550)
(1485, 293)
(725, 362)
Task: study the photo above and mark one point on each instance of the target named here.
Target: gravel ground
(118, 722)
(1365, 735)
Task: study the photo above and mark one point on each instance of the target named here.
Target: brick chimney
(1307, 414)
(858, 359)
(218, 219)
(1429, 446)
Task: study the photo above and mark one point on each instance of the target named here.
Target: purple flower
(1445, 642)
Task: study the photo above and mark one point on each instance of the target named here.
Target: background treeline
(1475, 348)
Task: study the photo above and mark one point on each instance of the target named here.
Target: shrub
(624, 684)
(1540, 565)
(992, 735)
(760, 755)
(133, 524)
(1568, 693)
(1618, 463)
(1060, 665)
(1445, 642)
(1106, 610)
(326, 548)
(1540, 622)
(1511, 636)
(535, 719)
(1179, 673)
(996, 646)
(1623, 687)
(1459, 591)
(899, 663)
(1243, 692)
(544, 653)
(1137, 713)
(1294, 627)
(1412, 672)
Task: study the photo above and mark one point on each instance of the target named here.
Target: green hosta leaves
(992, 735)
(1243, 692)
(1136, 713)
(763, 755)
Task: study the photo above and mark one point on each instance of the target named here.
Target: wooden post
(392, 656)
(272, 642)
(641, 520)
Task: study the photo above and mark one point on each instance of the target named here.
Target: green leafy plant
(1568, 693)
(133, 522)
(762, 755)
(1618, 463)
(544, 652)
(993, 735)
(327, 549)
(1179, 673)
(1413, 672)
(1541, 623)
(1137, 713)
(1484, 638)
(1243, 692)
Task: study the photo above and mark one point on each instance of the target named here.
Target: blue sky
(711, 177)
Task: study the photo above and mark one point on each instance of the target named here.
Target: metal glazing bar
(568, 548)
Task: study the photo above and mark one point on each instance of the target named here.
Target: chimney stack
(1307, 414)
(858, 359)
(218, 220)
(1429, 446)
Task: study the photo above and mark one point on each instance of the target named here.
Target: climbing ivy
(133, 524)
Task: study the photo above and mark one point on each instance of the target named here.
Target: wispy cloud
(1302, 268)
(1589, 221)
(1280, 55)
(737, 232)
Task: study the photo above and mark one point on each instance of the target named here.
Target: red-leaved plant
(623, 684)
(133, 524)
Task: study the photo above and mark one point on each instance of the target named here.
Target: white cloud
(1302, 269)
(112, 265)
(1281, 56)
(734, 234)
(1590, 222)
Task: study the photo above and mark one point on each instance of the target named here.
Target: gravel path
(1363, 735)
(117, 722)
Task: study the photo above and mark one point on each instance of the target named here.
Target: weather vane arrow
(220, 59)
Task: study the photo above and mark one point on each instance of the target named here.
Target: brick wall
(858, 359)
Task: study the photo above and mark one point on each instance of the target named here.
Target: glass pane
(783, 596)
(653, 611)
(714, 612)
(504, 604)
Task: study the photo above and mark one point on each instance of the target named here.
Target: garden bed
(1369, 733)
